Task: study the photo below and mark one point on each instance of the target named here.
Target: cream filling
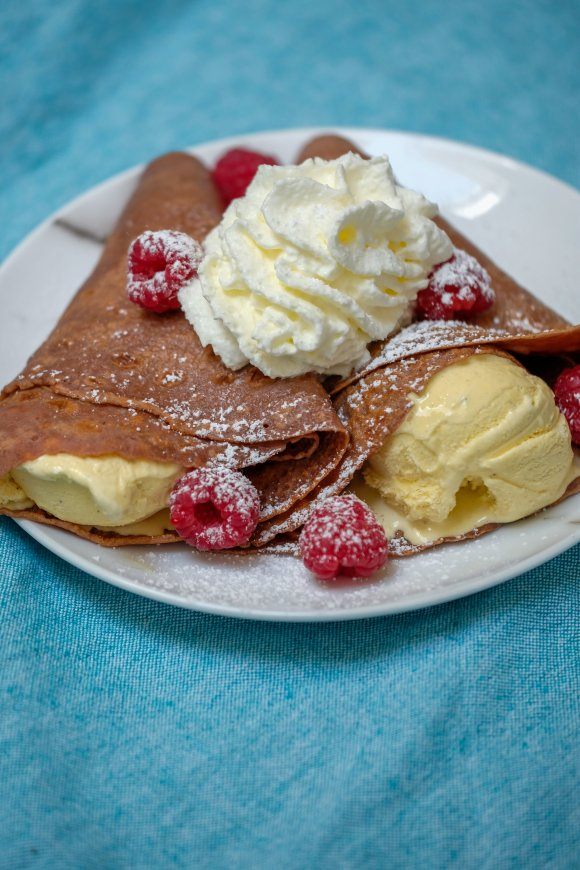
(13, 496)
(151, 527)
(104, 491)
(483, 443)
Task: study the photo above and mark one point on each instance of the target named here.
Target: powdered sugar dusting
(336, 484)
(227, 422)
(430, 335)
(160, 262)
(214, 508)
(244, 456)
(567, 392)
(173, 377)
(342, 536)
(179, 244)
(281, 587)
(466, 273)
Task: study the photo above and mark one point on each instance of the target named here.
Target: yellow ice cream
(483, 443)
(105, 491)
(12, 496)
(157, 524)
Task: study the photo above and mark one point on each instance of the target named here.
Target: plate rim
(417, 601)
(411, 602)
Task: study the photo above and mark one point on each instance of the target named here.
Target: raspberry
(567, 392)
(343, 536)
(459, 286)
(160, 263)
(214, 508)
(235, 170)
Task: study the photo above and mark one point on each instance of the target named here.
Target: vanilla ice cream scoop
(13, 496)
(104, 491)
(311, 265)
(483, 443)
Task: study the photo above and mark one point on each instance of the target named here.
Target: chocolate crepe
(373, 402)
(113, 378)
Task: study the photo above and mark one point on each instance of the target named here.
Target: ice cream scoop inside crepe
(483, 443)
(451, 458)
(123, 395)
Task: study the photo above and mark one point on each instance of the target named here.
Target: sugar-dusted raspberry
(343, 536)
(235, 170)
(461, 286)
(214, 508)
(567, 392)
(160, 263)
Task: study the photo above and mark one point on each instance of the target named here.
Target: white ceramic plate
(525, 219)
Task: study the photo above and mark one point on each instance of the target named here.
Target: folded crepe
(115, 380)
(373, 402)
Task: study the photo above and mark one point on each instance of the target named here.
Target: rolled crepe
(373, 402)
(114, 379)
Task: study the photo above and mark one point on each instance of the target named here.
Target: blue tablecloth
(133, 734)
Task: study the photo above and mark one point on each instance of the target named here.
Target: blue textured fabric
(136, 735)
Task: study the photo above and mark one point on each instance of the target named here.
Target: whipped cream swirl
(311, 265)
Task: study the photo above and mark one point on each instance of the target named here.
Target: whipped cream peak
(311, 265)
